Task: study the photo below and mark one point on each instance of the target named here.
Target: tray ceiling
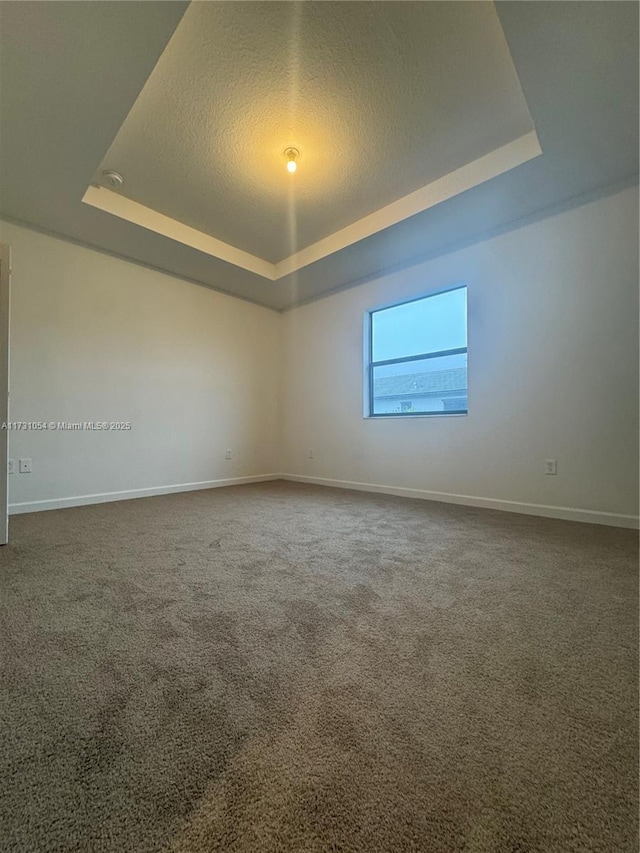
(417, 124)
(382, 100)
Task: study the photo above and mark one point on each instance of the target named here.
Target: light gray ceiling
(379, 98)
(71, 73)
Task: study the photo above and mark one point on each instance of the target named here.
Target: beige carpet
(288, 668)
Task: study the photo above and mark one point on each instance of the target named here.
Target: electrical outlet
(311, 454)
(24, 466)
(11, 466)
(227, 455)
(550, 466)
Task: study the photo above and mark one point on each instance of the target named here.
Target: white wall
(97, 338)
(553, 373)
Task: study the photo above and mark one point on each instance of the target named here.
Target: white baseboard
(563, 512)
(105, 497)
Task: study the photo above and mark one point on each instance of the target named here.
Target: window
(417, 362)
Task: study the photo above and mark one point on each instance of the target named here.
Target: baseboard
(563, 512)
(105, 497)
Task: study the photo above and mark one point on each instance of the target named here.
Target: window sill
(416, 415)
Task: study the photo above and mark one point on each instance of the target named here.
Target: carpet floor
(281, 667)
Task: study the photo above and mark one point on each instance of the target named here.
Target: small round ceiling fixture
(113, 179)
(292, 155)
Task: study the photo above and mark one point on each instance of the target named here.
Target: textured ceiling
(379, 98)
(71, 72)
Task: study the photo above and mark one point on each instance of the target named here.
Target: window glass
(419, 356)
(432, 324)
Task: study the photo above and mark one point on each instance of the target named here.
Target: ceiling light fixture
(291, 154)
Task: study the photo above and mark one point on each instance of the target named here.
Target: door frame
(5, 304)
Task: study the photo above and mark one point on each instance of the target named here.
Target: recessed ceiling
(417, 125)
(381, 100)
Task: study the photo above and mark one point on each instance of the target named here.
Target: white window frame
(367, 411)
